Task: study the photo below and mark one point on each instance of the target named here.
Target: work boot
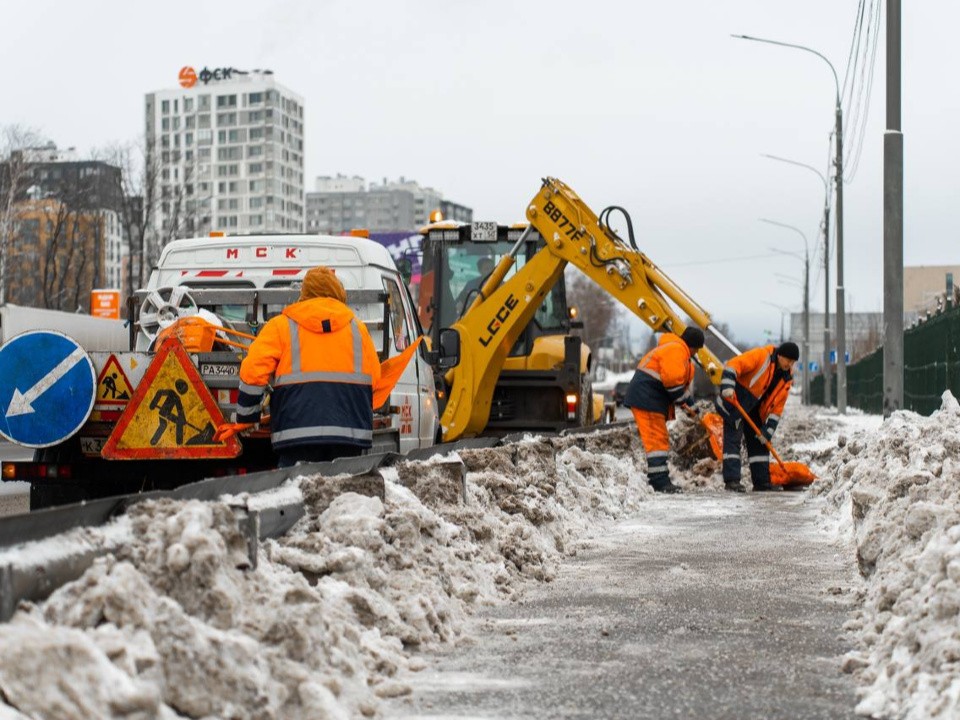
(765, 487)
(667, 488)
(733, 486)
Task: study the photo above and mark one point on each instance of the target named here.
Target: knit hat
(322, 282)
(789, 350)
(693, 337)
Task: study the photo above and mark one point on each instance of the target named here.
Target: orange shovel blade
(791, 474)
(713, 424)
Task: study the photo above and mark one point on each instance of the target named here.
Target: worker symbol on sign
(110, 387)
(169, 408)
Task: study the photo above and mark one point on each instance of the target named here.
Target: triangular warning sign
(113, 388)
(171, 415)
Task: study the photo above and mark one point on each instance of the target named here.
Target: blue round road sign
(47, 388)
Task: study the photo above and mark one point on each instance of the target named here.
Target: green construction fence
(931, 364)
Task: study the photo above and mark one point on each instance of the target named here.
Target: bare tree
(15, 177)
(597, 308)
(155, 208)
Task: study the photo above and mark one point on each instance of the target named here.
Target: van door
(412, 394)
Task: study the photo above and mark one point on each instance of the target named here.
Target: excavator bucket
(791, 475)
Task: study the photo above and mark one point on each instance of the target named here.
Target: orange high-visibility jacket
(663, 377)
(751, 374)
(322, 365)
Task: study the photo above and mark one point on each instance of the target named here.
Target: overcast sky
(647, 105)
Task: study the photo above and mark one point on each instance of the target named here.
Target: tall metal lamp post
(825, 360)
(838, 165)
(805, 355)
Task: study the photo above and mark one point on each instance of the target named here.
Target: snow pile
(174, 623)
(897, 493)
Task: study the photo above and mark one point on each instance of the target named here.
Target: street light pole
(838, 164)
(805, 356)
(893, 223)
(825, 360)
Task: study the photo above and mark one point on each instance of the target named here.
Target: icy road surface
(709, 606)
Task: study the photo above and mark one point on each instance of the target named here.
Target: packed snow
(174, 622)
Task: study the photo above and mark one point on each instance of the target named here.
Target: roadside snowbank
(173, 623)
(895, 492)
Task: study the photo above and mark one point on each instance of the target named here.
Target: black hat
(789, 350)
(693, 337)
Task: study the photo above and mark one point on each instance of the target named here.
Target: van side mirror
(449, 356)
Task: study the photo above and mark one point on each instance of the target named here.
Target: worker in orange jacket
(322, 364)
(760, 380)
(664, 378)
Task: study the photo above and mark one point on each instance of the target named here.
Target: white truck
(152, 416)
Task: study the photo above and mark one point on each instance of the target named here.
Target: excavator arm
(573, 234)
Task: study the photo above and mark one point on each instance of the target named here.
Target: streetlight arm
(836, 81)
(800, 164)
(806, 246)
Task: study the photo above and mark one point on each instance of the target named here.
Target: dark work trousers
(734, 433)
(317, 453)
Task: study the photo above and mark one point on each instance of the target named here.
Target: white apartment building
(227, 147)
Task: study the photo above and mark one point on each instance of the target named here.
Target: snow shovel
(713, 424)
(791, 474)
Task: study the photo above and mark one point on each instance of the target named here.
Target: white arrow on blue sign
(47, 388)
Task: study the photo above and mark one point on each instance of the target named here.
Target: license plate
(219, 369)
(483, 232)
(92, 446)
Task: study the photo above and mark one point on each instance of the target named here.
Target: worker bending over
(323, 367)
(760, 381)
(664, 378)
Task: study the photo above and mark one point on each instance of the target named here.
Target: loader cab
(456, 260)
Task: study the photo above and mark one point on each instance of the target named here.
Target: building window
(255, 98)
(165, 124)
(204, 137)
(203, 121)
(254, 150)
(226, 101)
(190, 122)
(226, 119)
(188, 105)
(165, 107)
(256, 133)
(203, 102)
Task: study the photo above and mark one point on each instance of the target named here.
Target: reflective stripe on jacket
(322, 364)
(751, 374)
(663, 377)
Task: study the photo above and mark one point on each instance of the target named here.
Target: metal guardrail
(21, 581)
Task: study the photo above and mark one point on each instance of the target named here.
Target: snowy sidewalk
(706, 606)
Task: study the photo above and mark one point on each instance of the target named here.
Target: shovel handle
(736, 403)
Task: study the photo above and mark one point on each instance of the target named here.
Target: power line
(869, 68)
(714, 262)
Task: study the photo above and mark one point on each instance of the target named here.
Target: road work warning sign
(171, 415)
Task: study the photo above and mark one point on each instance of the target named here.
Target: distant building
(863, 330)
(67, 232)
(228, 147)
(340, 203)
(926, 285)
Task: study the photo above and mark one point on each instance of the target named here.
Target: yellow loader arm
(573, 234)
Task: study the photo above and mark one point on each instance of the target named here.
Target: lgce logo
(188, 77)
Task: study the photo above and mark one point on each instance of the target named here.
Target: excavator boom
(573, 232)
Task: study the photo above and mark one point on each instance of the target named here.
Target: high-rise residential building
(227, 149)
(340, 203)
(67, 235)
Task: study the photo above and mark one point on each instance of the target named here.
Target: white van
(247, 280)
